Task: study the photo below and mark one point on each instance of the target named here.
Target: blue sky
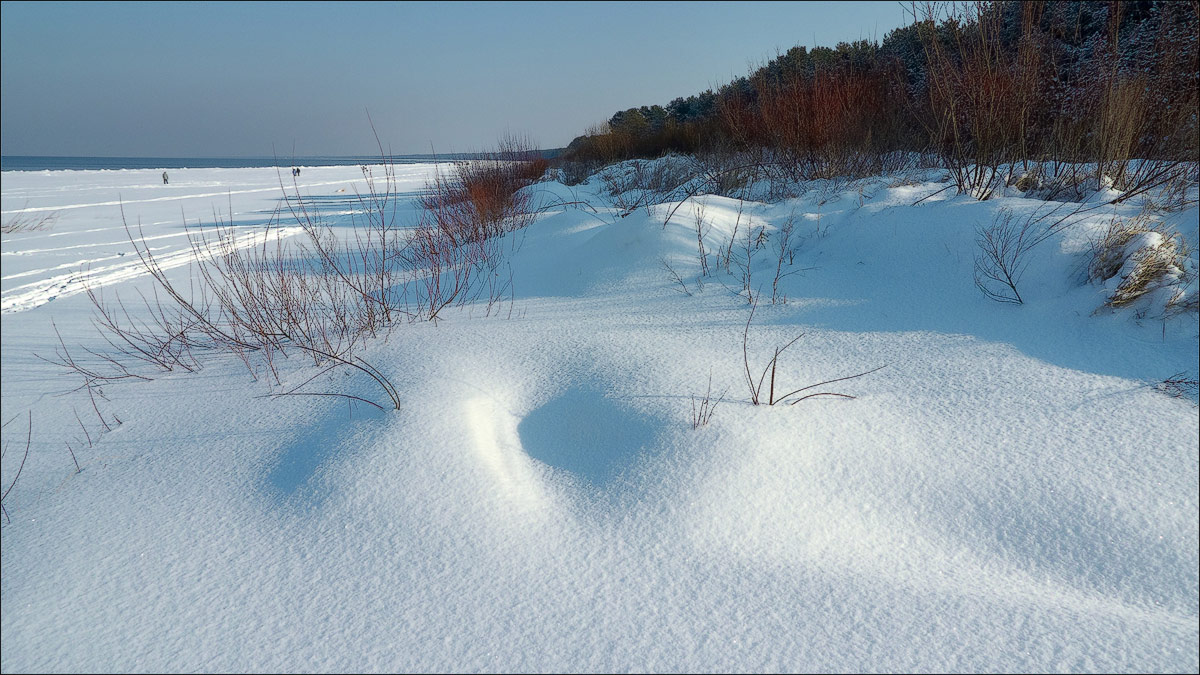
(235, 79)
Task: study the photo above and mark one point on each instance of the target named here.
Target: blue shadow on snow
(586, 433)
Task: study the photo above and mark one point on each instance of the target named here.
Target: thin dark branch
(839, 379)
(823, 393)
(28, 439)
(305, 393)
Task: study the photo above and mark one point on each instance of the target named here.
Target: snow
(1009, 493)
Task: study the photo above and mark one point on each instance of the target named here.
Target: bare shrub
(453, 253)
(602, 145)
(1136, 148)
(24, 221)
(262, 297)
(756, 388)
(1144, 117)
(1125, 121)
(994, 88)
(447, 269)
(1001, 259)
(785, 250)
(731, 173)
(259, 303)
(11, 485)
(830, 123)
(675, 277)
(982, 97)
(482, 198)
(157, 336)
(735, 181)
(702, 226)
(1005, 243)
(702, 412)
(754, 239)
(1179, 385)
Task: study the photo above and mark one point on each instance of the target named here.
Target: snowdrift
(1010, 493)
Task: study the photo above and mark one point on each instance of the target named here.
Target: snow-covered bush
(1056, 181)
(638, 184)
(575, 172)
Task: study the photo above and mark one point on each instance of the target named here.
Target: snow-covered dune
(1010, 492)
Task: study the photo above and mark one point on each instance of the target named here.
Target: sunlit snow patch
(497, 447)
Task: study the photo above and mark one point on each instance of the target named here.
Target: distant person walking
(164, 178)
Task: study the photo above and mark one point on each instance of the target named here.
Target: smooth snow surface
(1010, 493)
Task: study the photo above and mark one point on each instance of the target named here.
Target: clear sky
(235, 79)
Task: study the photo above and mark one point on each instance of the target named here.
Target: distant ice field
(86, 217)
(42, 163)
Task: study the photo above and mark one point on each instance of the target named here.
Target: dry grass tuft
(1143, 255)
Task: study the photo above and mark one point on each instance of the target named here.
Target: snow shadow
(348, 210)
(254, 220)
(351, 200)
(297, 470)
(588, 434)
